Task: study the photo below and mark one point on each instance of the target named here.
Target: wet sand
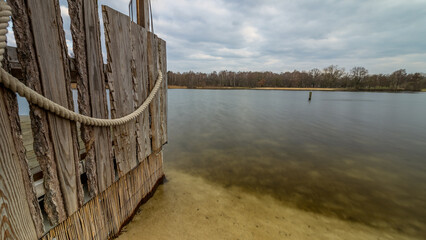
(189, 207)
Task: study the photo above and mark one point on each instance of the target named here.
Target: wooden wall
(122, 164)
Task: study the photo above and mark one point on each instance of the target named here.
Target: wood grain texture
(115, 205)
(15, 215)
(140, 83)
(98, 99)
(154, 107)
(43, 147)
(75, 10)
(11, 103)
(143, 13)
(85, 30)
(55, 79)
(74, 133)
(120, 82)
(162, 54)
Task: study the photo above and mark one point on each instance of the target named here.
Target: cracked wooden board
(91, 86)
(120, 81)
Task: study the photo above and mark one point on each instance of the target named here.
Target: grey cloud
(273, 35)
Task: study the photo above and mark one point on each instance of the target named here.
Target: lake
(356, 156)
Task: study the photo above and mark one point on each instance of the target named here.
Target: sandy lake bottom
(189, 207)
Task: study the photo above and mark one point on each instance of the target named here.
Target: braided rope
(34, 97)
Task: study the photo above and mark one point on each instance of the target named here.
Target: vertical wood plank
(85, 30)
(11, 104)
(140, 78)
(163, 91)
(15, 215)
(154, 107)
(143, 13)
(120, 82)
(98, 99)
(55, 78)
(53, 201)
(75, 10)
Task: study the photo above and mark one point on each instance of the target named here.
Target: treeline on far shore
(333, 76)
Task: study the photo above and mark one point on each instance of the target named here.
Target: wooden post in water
(310, 96)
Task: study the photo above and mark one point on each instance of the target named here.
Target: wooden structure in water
(122, 164)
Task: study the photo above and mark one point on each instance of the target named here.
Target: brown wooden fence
(120, 166)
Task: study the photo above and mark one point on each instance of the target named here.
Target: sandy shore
(304, 89)
(294, 89)
(188, 207)
(264, 88)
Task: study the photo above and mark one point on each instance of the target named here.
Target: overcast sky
(279, 36)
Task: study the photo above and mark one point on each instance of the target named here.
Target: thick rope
(34, 97)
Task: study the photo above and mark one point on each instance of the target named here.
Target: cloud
(202, 56)
(64, 12)
(10, 37)
(286, 35)
(283, 35)
(251, 34)
(236, 53)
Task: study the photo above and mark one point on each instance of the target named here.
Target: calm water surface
(356, 156)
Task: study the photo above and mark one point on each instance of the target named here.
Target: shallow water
(352, 155)
(190, 207)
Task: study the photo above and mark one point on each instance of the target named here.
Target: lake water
(355, 156)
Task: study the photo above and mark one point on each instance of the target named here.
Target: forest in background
(333, 76)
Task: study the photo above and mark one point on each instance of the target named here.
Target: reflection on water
(355, 156)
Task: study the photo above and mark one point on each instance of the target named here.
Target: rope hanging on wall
(34, 97)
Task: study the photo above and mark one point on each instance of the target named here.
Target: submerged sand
(189, 207)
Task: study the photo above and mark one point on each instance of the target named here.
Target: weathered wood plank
(163, 91)
(116, 204)
(11, 104)
(28, 141)
(120, 82)
(49, 42)
(53, 202)
(85, 30)
(98, 100)
(155, 162)
(140, 78)
(143, 13)
(75, 10)
(73, 125)
(154, 107)
(15, 215)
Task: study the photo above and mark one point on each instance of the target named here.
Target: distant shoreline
(293, 89)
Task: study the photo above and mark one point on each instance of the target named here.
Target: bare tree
(358, 74)
(331, 76)
(397, 78)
